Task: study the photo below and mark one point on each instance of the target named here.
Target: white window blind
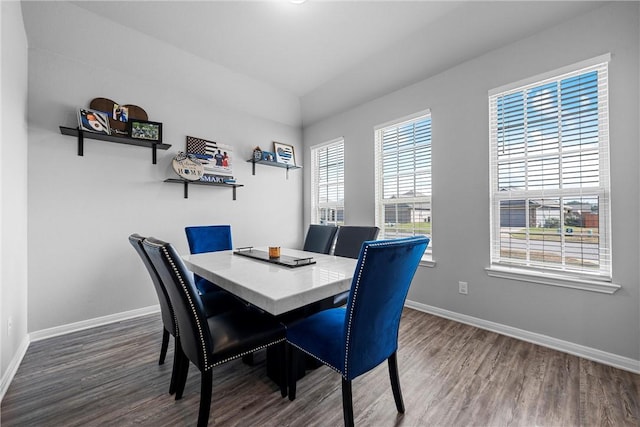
(403, 177)
(327, 183)
(550, 174)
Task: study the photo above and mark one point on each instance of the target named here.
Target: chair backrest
(166, 310)
(195, 339)
(320, 238)
(350, 239)
(209, 238)
(379, 288)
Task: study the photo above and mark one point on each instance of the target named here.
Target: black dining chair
(208, 238)
(213, 302)
(350, 239)
(354, 339)
(209, 341)
(320, 238)
(348, 243)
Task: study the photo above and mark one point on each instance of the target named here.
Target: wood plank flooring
(451, 375)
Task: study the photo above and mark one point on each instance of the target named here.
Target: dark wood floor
(451, 375)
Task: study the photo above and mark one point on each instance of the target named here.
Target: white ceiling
(332, 49)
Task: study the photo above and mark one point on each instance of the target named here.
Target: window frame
(380, 202)
(316, 205)
(552, 273)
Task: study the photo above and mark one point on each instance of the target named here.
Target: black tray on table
(287, 261)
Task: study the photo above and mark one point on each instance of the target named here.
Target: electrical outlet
(463, 288)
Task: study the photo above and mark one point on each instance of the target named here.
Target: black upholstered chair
(350, 239)
(354, 339)
(208, 238)
(320, 238)
(348, 243)
(208, 341)
(213, 303)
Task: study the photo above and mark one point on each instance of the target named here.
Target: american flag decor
(216, 158)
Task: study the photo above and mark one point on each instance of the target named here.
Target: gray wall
(459, 106)
(81, 209)
(13, 186)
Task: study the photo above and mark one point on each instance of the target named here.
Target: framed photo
(93, 121)
(120, 113)
(268, 156)
(284, 153)
(216, 158)
(143, 129)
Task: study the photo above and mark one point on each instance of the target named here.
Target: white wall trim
(13, 366)
(92, 323)
(589, 353)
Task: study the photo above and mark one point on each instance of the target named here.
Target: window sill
(427, 263)
(546, 278)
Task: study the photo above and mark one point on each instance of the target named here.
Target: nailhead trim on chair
(193, 310)
(317, 358)
(354, 296)
(353, 300)
(235, 356)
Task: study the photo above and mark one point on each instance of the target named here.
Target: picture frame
(268, 156)
(93, 121)
(145, 130)
(120, 113)
(216, 158)
(284, 153)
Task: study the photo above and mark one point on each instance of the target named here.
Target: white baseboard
(91, 323)
(13, 366)
(594, 354)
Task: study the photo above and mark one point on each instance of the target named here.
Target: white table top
(274, 288)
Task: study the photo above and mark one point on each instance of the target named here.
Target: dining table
(294, 280)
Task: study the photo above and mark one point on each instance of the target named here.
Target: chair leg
(165, 346)
(183, 372)
(206, 386)
(395, 382)
(283, 368)
(347, 403)
(175, 372)
(292, 362)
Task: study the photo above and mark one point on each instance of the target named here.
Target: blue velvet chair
(208, 238)
(208, 341)
(320, 238)
(354, 339)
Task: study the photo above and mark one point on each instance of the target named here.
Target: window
(327, 183)
(550, 174)
(403, 177)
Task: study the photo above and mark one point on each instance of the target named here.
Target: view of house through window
(327, 183)
(403, 177)
(550, 173)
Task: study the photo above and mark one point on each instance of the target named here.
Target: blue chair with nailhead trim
(354, 339)
(208, 238)
(209, 341)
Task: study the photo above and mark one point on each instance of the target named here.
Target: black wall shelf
(274, 164)
(111, 138)
(211, 184)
